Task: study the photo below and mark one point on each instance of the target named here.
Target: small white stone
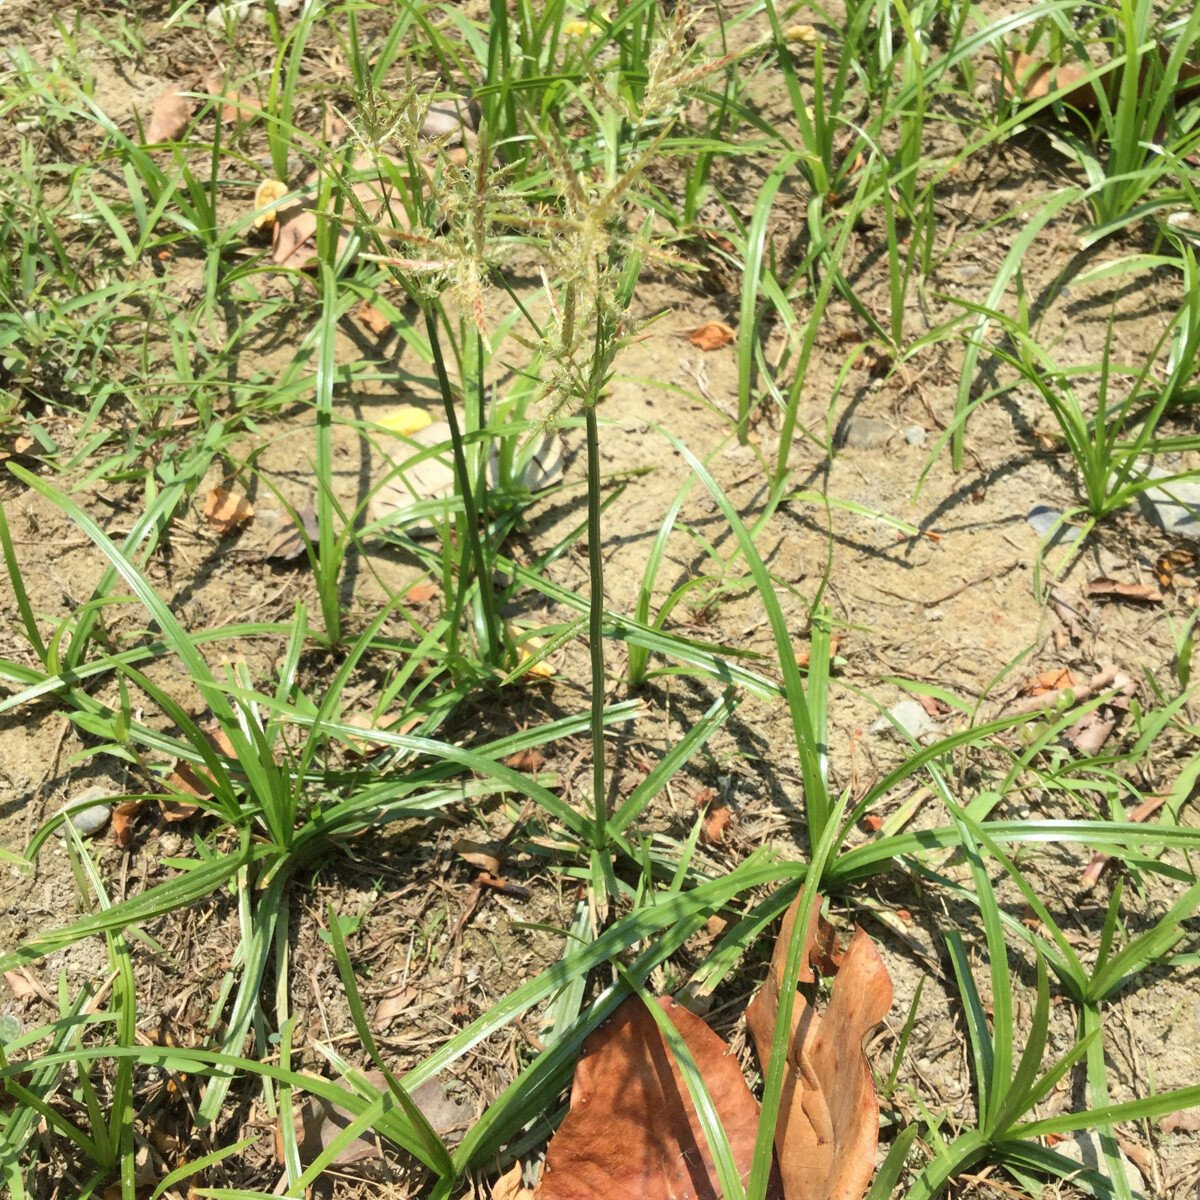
(912, 719)
(92, 818)
(915, 435)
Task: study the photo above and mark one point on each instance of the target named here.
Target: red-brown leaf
(712, 335)
(226, 509)
(828, 1127)
(170, 115)
(123, 819)
(632, 1132)
(1116, 589)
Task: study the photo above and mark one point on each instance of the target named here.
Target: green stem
(596, 625)
(492, 641)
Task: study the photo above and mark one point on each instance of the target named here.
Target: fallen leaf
(1116, 589)
(1035, 78)
(174, 811)
(1095, 868)
(184, 779)
(421, 593)
(804, 657)
(715, 821)
(266, 202)
(288, 542)
(1050, 681)
(1090, 732)
(530, 761)
(712, 336)
(479, 854)
(933, 706)
(392, 1004)
(170, 115)
(1172, 562)
(828, 1127)
(372, 318)
(123, 818)
(227, 509)
(295, 242)
(510, 1187)
(497, 884)
(1186, 1120)
(318, 1121)
(632, 1132)
(21, 984)
(1108, 677)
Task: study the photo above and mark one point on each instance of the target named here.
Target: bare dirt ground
(956, 606)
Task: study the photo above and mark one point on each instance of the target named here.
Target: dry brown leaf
(510, 1187)
(392, 1004)
(1116, 589)
(530, 761)
(483, 855)
(1037, 78)
(317, 1121)
(1186, 1120)
(1091, 875)
(184, 779)
(124, 818)
(170, 115)
(288, 542)
(227, 509)
(421, 593)
(373, 319)
(1172, 562)
(715, 820)
(1050, 681)
(174, 811)
(828, 1127)
(295, 242)
(22, 986)
(712, 335)
(632, 1132)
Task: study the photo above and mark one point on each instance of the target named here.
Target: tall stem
(596, 625)
(492, 641)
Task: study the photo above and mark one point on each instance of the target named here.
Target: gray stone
(912, 720)
(864, 433)
(1174, 507)
(1084, 1148)
(91, 818)
(1045, 520)
(915, 435)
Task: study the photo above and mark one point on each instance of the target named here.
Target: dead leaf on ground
(483, 855)
(170, 115)
(318, 1121)
(712, 335)
(174, 811)
(1036, 78)
(804, 657)
(295, 242)
(227, 509)
(510, 1187)
(421, 593)
(23, 986)
(1145, 810)
(288, 542)
(828, 1127)
(124, 818)
(716, 817)
(933, 706)
(1076, 692)
(392, 1004)
(1050, 681)
(1116, 589)
(1186, 1120)
(369, 316)
(632, 1132)
(530, 761)
(1169, 564)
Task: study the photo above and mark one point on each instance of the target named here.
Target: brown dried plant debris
(828, 1126)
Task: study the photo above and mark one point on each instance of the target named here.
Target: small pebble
(915, 435)
(10, 1028)
(912, 719)
(90, 820)
(864, 433)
